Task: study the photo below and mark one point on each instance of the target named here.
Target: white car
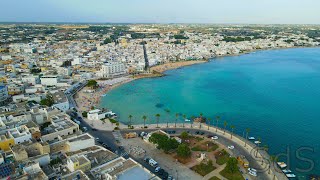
(214, 137)
(157, 169)
(231, 147)
(252, 170)
(253, 173)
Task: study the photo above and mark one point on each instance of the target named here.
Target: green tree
(192, 119)
(184, 118)
(175, 122)
(130, 118)
(209, 120)
(217, 120)
(158, 117)
(225, 127)
(232, 165)
(232, 128)
(144, 121)
(168, 115)
(85, 114)
(273, 159)
(92, 83)
(107, 41)
(183, 151)
(184, 135)
(247, 134)
(48, 101)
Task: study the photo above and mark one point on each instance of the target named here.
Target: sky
(162, 11)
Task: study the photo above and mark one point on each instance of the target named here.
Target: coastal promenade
(259, 160)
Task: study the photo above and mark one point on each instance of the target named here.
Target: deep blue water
(275, 93)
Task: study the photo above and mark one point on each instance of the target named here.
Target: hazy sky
(162, 11)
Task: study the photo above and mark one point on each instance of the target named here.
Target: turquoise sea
(275, 93)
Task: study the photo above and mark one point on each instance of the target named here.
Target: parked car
(231, 147)
(201, 133)
(94, 129)
(157, 169)
(253, 170)
(210, 136)
(197, 132)
(214, 137)
(253, 173)
(161, 172)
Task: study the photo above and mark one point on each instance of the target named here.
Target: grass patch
(214, 178)
(199, 139)
(206, 146)
(231, 176)
(221, 157)
(203, 168)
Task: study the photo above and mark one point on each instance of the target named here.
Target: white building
(49, 80)
(20, 134)
(111, 69)
(98, 114)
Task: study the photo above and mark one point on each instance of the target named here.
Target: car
(253, 170)
(231, 147)
(197, 132)
(210, 136)
(214, 137)
(170, 177)
(94, 129)
(161, 172)
(253, 173)
(100, 142)
(97, 139)
(157, 169)
(201, 133)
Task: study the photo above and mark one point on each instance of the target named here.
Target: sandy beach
(87, 97)
(173, 65)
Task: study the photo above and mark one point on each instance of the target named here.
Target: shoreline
(157, 71)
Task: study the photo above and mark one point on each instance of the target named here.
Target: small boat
(290, 175)
(257, 142)
(251, 138)
(282, 165)
(187, 120)
(103, 95)
(286, 171)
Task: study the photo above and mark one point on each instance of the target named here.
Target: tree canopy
(48, 101)
(163, 142)
(92, 83)
(183, 151)
(232, 165)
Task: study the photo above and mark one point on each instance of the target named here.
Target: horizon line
(128, 23)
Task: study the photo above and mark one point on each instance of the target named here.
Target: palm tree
(273, 159)
(158, 117)
(144, 121)
(168, 113)
(265, 148)
(201, 114)
(177, 116)
(192, 118)
(130, 117)
(225, 127)
(209, 119)
(217, 119)
(259, 139)
(184, 118)
(247, 133)
(232, 128)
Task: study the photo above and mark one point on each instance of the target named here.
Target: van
(153, 163)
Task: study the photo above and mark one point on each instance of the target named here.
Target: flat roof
(135, 173)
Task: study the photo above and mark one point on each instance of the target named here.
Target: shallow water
(275, 93)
